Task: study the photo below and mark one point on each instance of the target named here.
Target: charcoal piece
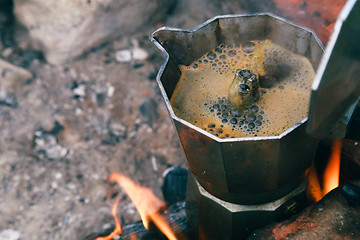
(100, 99)
(175, 216)
(174, 187)
(351, 192)
(148, 111)
(56, 128)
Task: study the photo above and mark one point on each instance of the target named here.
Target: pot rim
(192, 30)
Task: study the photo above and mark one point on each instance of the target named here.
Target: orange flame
(332, 170)
(145, 201)
(331, 175)
(117, 230)
(313, 188)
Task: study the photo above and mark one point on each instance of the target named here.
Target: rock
(123, 55)
(135, 54)
(138, 53)
(12, 75)
(79, 89)
(12, 78)
(116, 132)
(46, 144)
(65, 29)
(332, 217)
(9, 234)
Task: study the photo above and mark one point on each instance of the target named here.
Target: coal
(174, 192)
(176, 217)
(148, 111)
(174, 187)
(351, 191)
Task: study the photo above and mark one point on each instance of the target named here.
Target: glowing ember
(147, 204)
(332, 171)
(117, 230)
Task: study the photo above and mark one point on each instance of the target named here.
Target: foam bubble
(211, 56)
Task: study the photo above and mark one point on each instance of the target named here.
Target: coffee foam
(200, 96)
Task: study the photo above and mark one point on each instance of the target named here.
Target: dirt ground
(71, 126)
(64, 130)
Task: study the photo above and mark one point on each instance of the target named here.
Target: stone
(332, 217)
(9, 234)
(46, 144)
(135, 54)
(123, 55)
(12, 75)
(63, 30)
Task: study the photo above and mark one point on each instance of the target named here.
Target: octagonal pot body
(240, 170)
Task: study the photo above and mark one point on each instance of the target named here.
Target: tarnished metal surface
(249, 170)
(223, 220)
(337, 83)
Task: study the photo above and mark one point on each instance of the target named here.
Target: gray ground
(110, 118)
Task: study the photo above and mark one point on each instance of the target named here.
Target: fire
(315, 191)
(145, 201)
(332, 170)
(117, 230)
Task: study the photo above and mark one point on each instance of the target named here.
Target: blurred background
(78, 100)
